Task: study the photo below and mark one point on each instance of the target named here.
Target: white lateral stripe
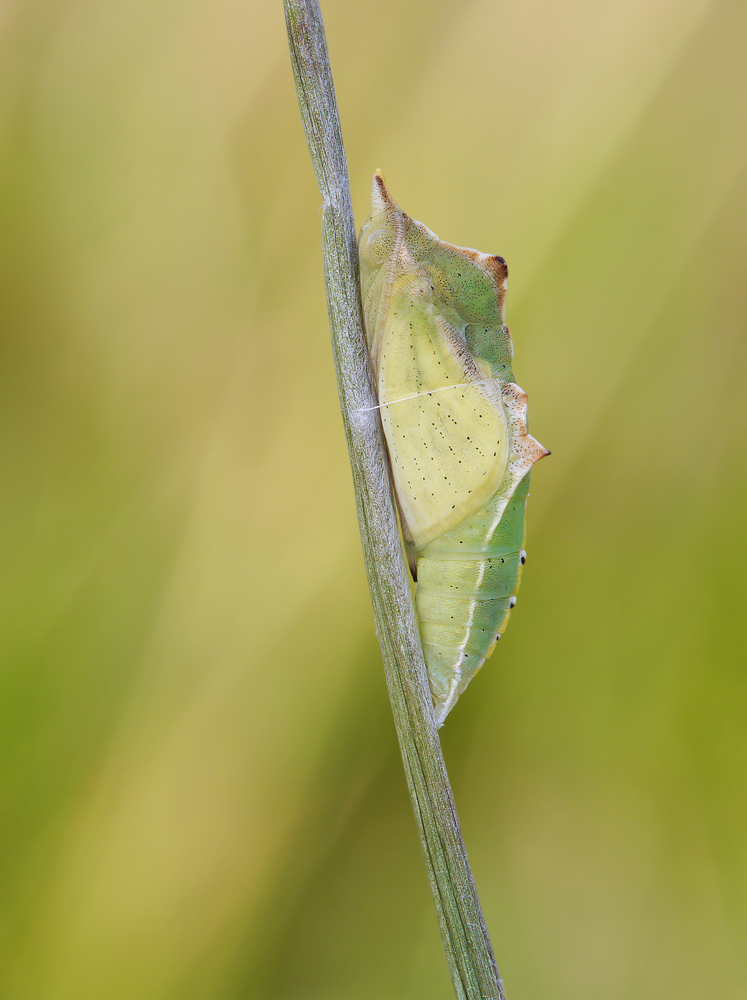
(427, 392)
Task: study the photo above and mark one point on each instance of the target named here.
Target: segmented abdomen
(466, 586)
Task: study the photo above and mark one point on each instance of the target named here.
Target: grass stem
(466, 942)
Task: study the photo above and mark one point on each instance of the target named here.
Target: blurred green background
(202, 797)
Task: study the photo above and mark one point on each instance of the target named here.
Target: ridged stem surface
(466, 942)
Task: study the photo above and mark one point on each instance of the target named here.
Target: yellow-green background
(201, 792)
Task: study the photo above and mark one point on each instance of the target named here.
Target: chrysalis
(455, 426)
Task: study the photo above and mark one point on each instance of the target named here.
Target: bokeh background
(202, 797)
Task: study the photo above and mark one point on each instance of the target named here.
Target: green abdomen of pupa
(466, 587)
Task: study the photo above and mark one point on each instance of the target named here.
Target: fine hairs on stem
(465, 938)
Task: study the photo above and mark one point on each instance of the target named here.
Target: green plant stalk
(465, 937)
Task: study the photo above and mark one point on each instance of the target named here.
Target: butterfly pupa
(456, 433)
